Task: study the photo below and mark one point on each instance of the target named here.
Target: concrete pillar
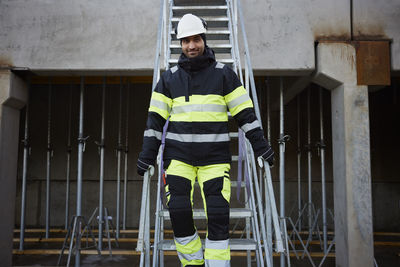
(13, 96)
(336, 71)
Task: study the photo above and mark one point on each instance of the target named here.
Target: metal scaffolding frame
(119, 150)
(124, 210)
(25, 143)
(48, 161)
(69, 151)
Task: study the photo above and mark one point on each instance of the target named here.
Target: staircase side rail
(156, 71)
(143, 205)
(247, 59)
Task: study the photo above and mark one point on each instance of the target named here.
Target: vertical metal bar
(101, 189)
(147, 227)
(157, 222)
(81, 146)
(281, 162)
(254, 208)
(69, 150)
(260, 208)
(309, 163)
(322, 151)
(298, 164)
(250, 69)
(267, 201)
(126, 158)
(119, 148)
(156, 72)
(48, 165)
(165, 33)
(142, 219)
(168, 34)
(24, 177)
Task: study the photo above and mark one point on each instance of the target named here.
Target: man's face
(192, 46)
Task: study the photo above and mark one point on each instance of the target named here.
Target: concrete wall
(121, 35)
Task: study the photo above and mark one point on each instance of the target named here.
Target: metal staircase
(222, 17)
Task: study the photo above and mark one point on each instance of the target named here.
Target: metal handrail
(237, 8)
(156, 70)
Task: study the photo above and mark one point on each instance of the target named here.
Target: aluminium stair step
(218, 48)
(225, 61)
(201, 11)
(212, 21)
(234, 243)
(211, 7)
(234, 213)
(211, 35)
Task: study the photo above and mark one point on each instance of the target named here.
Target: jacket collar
(197, 63)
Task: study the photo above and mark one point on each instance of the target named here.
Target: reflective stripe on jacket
(197, 103)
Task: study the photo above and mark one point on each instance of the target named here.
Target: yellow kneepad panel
(181, 169)
(217, 254)
(189, 248)
(226, 189)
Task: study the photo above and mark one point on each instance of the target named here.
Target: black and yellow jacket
(196, 95)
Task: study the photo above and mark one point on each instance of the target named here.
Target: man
(195, 95)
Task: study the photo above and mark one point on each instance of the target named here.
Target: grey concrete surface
(13, 96)
(351, 155)
(120, 36)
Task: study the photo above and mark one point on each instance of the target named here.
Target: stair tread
(213, 7)
(210, 45)
(227, 60)
(234, 243)
(207, 18)
(234, 213)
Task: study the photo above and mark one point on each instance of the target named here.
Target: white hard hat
(190, 25)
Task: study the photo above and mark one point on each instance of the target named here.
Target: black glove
(268, 156)
(143, 165)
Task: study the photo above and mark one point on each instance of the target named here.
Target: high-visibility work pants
(216, 190)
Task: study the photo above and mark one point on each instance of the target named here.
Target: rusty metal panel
(373, 62)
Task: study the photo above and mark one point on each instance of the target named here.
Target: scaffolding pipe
(267, 202)
(126, 159)
(69, 150)
(25, 143)
(281, 161)
(309, 163)
(298, 164)
(119, 150)
(81, 148)
(48, 165)
(101, 145)
(322, 151)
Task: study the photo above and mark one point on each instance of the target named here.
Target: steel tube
(248, 62)
(309, 162)
(158, 219)
(81, 145)
(267, 201)
(281, 161)
(254, 207)
(69, 150)
(260, 207)
(24, 177)
(298, 164)
(48, 163)
(156, 71)
(101, 189)
(119, 150)
(322, 151)
(126, 160)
